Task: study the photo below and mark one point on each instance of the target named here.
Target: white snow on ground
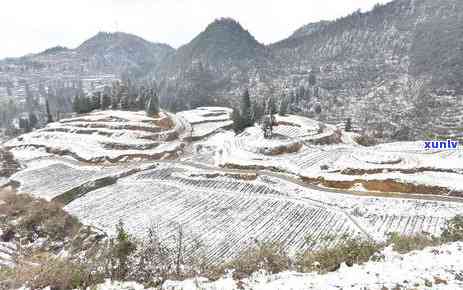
(205, 129)
(228, 213)
(438, 268)
(405, 162)
(7, 253)
(206, 114)
(104, 135)
(24, 155)
(207, 120)
(225, 213)
(434, 268)
(51, 177)
(4, 181)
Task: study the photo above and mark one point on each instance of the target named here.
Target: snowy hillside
(109, 136)
(325, 155)
(437, 268)
(310, 180)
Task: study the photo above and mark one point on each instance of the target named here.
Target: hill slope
(103, 53)
(393, 70)
(215, 63)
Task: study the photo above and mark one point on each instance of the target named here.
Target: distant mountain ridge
(103, 53)
(218, 61)
(393, 70)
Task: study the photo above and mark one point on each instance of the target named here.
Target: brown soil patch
(357, 171)
(283, 149)
(386, 186)
(239, 176)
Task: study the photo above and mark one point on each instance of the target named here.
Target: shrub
(408, 243)
(454, 229)
(263, 256)
(36, 218)
(352, 251)
(56, 273)
(366, 140)
(122, 247)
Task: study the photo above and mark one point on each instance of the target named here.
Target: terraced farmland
(110, 136)
(225, 213)
(228, 209)
(206, 121)
(230, 213)
(57, 177)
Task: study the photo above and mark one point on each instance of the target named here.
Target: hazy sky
(28, 26)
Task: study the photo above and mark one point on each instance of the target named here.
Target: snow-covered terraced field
(49, 178)
(225, 213)
(109, 136)
(207, 120)
(228, 213)
(402, 163)
(7, 254)
(229, 209)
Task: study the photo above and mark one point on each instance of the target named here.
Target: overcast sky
(28, 26)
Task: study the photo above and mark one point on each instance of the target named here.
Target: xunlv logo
(449, 144)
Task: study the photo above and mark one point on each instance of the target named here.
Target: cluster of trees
(121, 96)
(251, 112)
(31, 121)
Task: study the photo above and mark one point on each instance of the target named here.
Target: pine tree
(123, 249)
(105, 102)
(33, 120)
(237, 126)
(348, 126)
(76, 104)
(152, 109)
(24, 124)
(312, 79)
(245, 110)
(49, 116)
(283, 110)
(85, 105)
(267, 125)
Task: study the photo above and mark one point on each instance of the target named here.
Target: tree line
(120, 96)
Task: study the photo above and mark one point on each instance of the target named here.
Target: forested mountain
(58, 74)
(214, 65)
(121, 51)
(103, 53)
(393, 70)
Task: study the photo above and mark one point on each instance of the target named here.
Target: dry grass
(54, 272)
(36, 218)
(408, 243)
(352, 251)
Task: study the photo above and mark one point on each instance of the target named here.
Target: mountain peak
(225, 22)
(54, 50)
(310, 28)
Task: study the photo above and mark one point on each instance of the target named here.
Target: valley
(190, 170)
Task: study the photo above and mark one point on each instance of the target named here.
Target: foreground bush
(408, 243)
(263, 256)
(33, 218)
(351, 251)
(58, 274)
(366, 140)
(454, 230)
